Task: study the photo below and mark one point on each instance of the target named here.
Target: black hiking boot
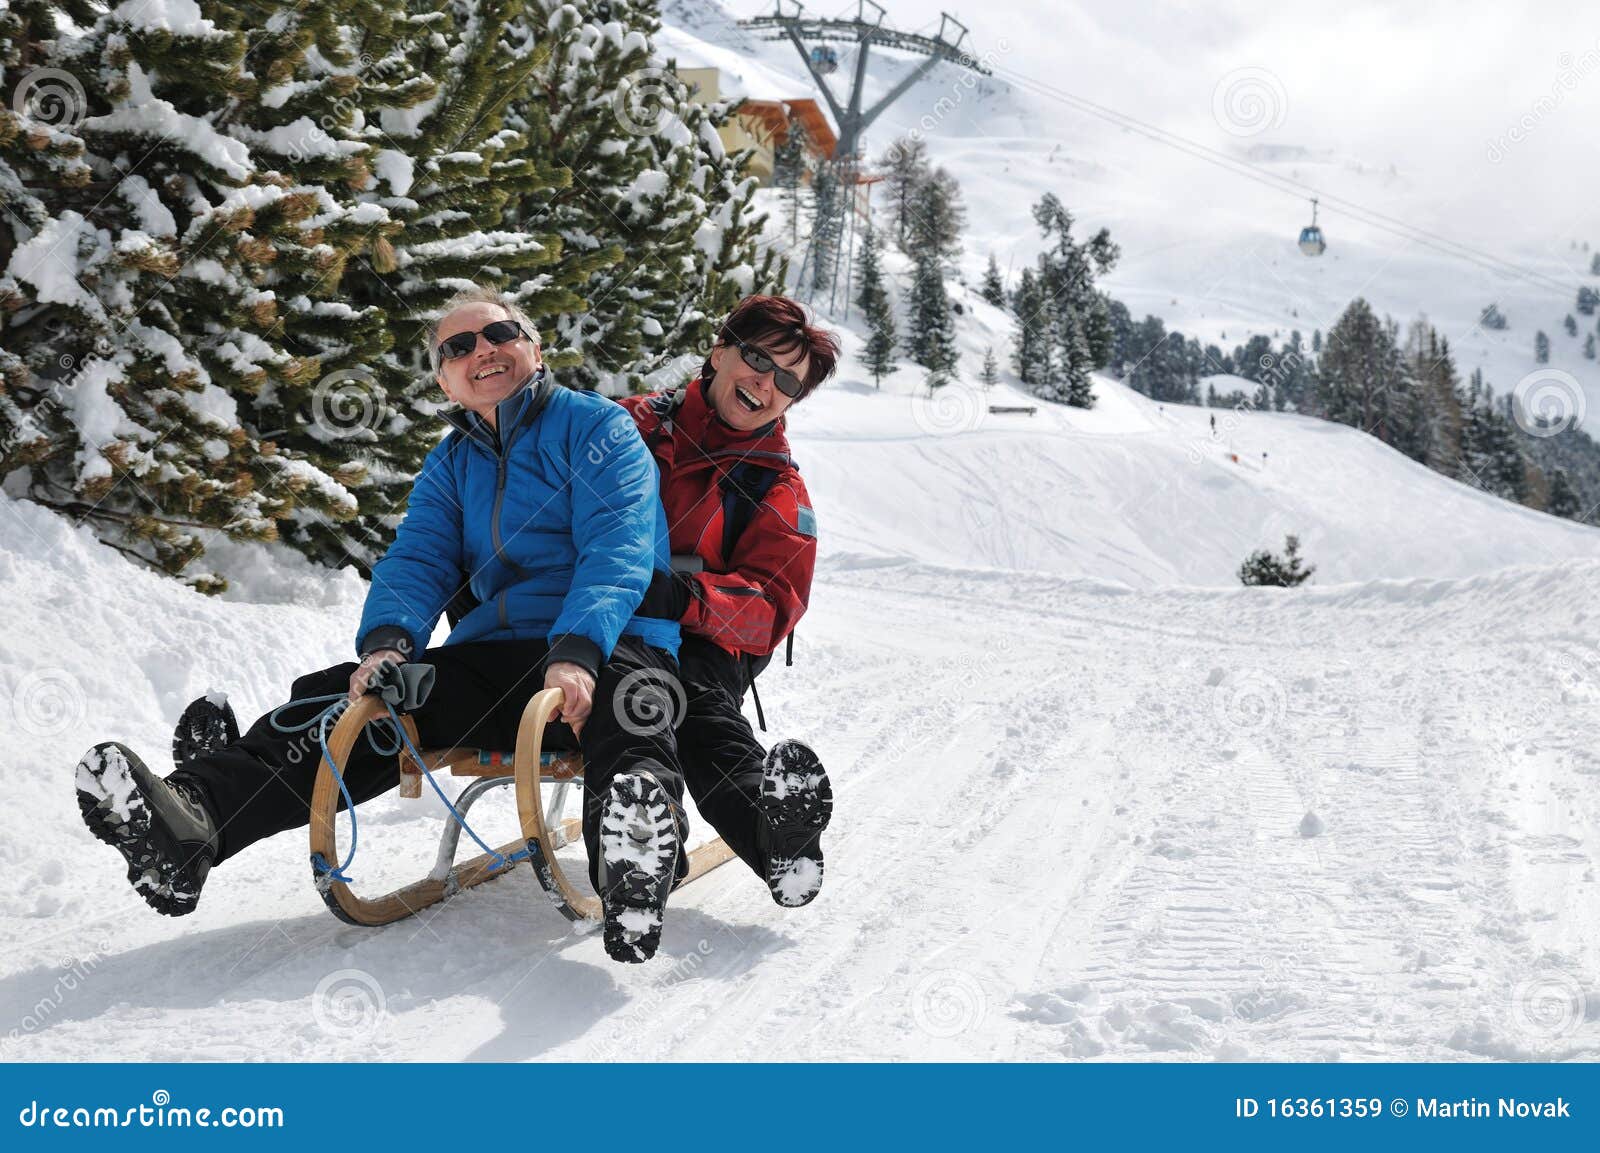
(797, 801)
(206, 725)
(162, 828)
(639, 860)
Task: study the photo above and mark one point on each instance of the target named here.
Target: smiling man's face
(490, 372)
(745, 398)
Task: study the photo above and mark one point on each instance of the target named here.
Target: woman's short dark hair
(782, 327)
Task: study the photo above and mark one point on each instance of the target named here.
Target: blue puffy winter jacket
(556, 519)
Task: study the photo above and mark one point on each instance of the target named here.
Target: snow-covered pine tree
(1157, 362)
(1073, 359)
(1562, 499)
(656, 228)
(822, 253)
(185, 284)
(876, 308)
(1030, 346)
(1263, 568)
(1121, 321)
(1098, 333)
(930, 340)
(989, 375)
(312, 108)
(1588, 346)
(1078, 317)
(1434, 370)
(1588, 300)
(1489, 458)
(1364, 381)
(1570, 323)
(905, 167)
(1493, 318)
(789, 171)
(992, 289)
(939, 215)
(1254, 360)
(1541, 347)
(1293, 381)
(40, 151)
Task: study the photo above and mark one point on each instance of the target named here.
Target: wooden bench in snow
(544, 831)
(1013, 409)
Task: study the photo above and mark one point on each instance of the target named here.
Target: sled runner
(532, 770)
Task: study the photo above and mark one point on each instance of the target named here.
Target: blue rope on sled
(330, 715)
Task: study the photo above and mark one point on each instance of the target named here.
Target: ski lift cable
(1241, 167)
(1290, 186)
(1285, 185)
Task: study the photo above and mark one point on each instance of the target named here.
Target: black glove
(668, 596)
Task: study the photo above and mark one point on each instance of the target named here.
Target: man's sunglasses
(462, 343)
(785, 381)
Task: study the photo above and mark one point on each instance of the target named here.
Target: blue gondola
(824, 59)
(1311, 241)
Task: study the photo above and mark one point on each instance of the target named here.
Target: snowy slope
(1145, 494)
(1070, 786)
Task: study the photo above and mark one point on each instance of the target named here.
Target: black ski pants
(262, 785)
(722, 760)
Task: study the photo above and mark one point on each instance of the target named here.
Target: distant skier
(562, 540)
(744, 547)
(1213, 424)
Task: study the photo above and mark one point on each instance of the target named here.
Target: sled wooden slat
(466, 763)
(705, 858)
(540, 840)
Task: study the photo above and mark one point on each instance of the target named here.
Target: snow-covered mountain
(1209, 251)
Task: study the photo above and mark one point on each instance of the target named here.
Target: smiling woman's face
(490, 372)
(745, 398)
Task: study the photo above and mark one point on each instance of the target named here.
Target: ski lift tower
(800, 30)
(810, 35)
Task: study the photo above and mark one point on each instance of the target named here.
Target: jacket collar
(511, 415)
(699, 420)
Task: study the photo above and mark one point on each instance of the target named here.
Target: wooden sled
(543, 831)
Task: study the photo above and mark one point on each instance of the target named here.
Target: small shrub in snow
(1265, 568)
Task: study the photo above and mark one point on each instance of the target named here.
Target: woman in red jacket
(744, 544)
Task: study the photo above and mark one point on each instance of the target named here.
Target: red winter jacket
(749, 601)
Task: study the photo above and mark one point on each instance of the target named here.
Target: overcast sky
(1436, 89)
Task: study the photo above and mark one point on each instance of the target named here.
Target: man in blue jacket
(547, 498)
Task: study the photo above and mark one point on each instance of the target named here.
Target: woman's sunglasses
(462, 343)
(785, 381)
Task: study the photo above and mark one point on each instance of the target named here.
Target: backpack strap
(664, 405)
(744, 487)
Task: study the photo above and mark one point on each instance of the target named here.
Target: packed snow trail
(1068, 824)
(1074, 769)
